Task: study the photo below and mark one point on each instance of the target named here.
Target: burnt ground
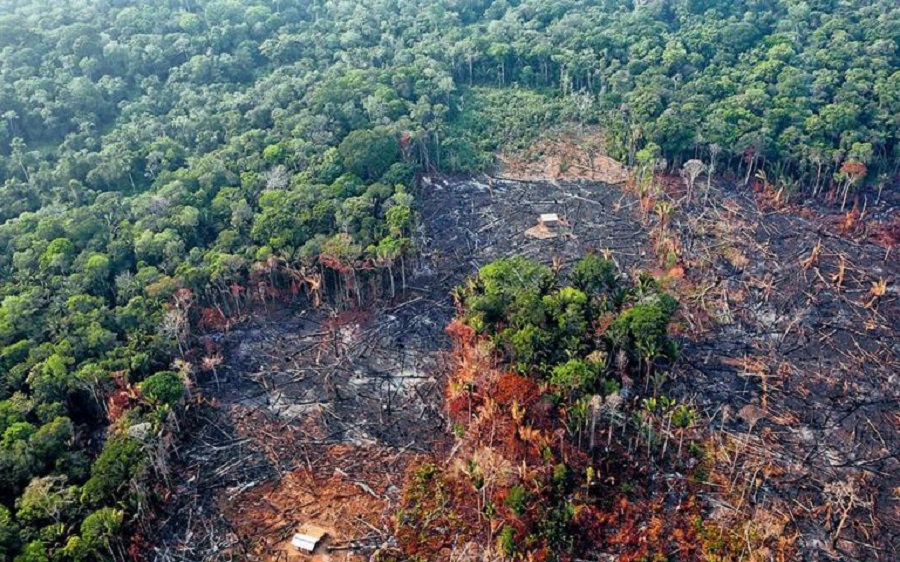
(314, 415)
(797, 365)
(788, 349)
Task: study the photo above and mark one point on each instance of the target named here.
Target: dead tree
(690, 172)
(714, 150)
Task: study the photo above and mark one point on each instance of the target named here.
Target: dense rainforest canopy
(154, 155)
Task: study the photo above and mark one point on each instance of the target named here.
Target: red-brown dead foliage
(592, 524)
(647, 203)
(854, 169)
(138, 547)
(514, 388)
(676, 272)
(850, 222)
(121, 399)
(564, 154)
(602, 323)
(212, 320)
(642, 530)
(460, 332)
(458, 406)
(355, 316)
(542, 415)
(436, 513)
(887, 234)
(767, 197)
(210, 346)
(335, 263)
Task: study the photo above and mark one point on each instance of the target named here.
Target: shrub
(573, 376)
(506, 541)
(567, 308)
(9, 533)
(369, 153)
(560, 475)
(517, 499)
(642, 329)
(528, 346)
(121, 460)
(163, 388)
(34, 551)
(19, 431)
(505, 287)
(593, 275)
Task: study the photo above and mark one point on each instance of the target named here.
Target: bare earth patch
(564, 155)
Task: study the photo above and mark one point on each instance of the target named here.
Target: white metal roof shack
(549, 219)
(308, 537)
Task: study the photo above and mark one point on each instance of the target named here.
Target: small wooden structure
(547, 227)
(549, 220)
(308, 537)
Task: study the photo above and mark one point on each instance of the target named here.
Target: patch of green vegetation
(542, 324)
(506, 541)
(165, 388)
(517, 499)
(495, 119)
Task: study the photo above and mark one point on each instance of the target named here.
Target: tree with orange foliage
(850, 174)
